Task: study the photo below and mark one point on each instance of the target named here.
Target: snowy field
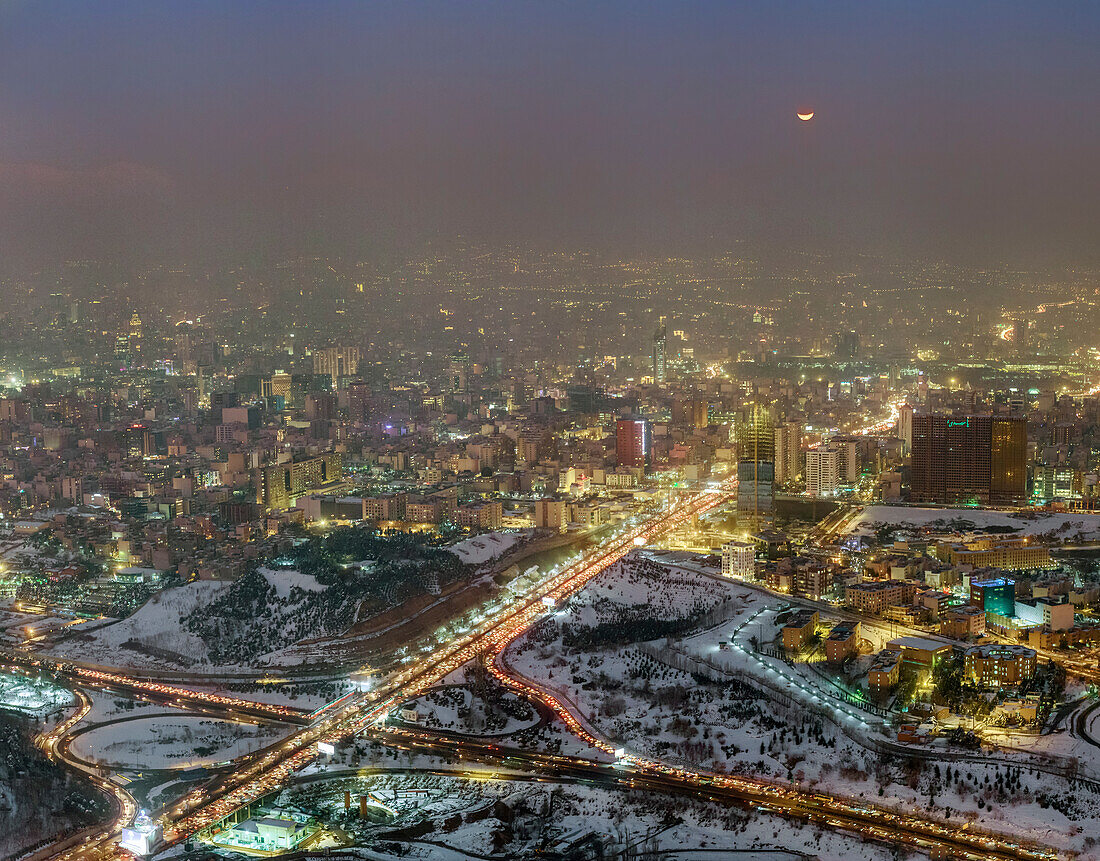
(31, 696)
(157, 636)
(155, 630)
(650, 698)
(550, 815)
(458, 709)
(307, 695)
(176, 741)
(485, 548)
(1070, 525)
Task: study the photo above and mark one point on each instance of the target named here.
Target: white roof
(918, 643)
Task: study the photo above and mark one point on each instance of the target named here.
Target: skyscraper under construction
(754, 434)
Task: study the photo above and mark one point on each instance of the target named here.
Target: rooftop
(918, 643)
(1000, 650)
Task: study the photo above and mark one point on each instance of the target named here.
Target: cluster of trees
(249, 619)
(397, 559)
(957, 693)
(39, 801)
(622, 632)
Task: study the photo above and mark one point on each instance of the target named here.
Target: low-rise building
(1042, 637)
(996, 595)
(842, 642)
(936, 601)
(810, 580)
(739, 559)
(483, 515)
(885, 671)
(799, 629)
(550, 514)
(997, 665)
(907, 614)
(387, 506)
(961, 623)
(874, 596)
(920, 651)
(1056, 614)
(1012, 554)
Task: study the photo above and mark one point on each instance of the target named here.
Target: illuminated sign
(965, 423)
(142, 837)
(326, 748)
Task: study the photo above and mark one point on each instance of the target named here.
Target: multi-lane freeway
(872, 822)
(357, 713)
(260, 773)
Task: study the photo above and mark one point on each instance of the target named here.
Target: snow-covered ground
(32, 696)
(157, 635)
(284, 581)
(1064, 525)
(171, 741)
(156, 630)
(651, 700)
(468, 824)
(307, 695)
(484, 548)
(456, 708)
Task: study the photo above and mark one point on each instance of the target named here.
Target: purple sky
(960, 130)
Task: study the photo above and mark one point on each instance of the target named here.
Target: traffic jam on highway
(265, 771)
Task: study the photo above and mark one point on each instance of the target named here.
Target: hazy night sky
(963, 130)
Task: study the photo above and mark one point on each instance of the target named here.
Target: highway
(260, 773)
(869, 821)
(360, 712)
(55, 744)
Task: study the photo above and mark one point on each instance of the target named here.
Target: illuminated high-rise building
(632, 442)
(968, 459)
(337, 362)
(788, 452)
(755, 437)
(1020, 334)
(822, 471)
(136, 333)
(1007, 460)
(905, 427)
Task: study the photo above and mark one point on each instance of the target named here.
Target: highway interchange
(365, 712)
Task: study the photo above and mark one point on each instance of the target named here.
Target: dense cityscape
(444, 543)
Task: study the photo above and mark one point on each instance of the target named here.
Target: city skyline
(572, 431)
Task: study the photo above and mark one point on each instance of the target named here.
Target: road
(868, 821)
(156, 692)
(55, 744)
(257, 775)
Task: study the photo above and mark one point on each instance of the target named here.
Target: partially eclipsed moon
(805, 116)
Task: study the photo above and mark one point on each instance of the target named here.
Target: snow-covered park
(171, 742)
(1064, 525)
(650, 695)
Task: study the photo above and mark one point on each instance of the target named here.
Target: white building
(738, 559)
(822, 471)
(1059, 615)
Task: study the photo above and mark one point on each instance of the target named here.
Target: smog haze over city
(658, 430)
